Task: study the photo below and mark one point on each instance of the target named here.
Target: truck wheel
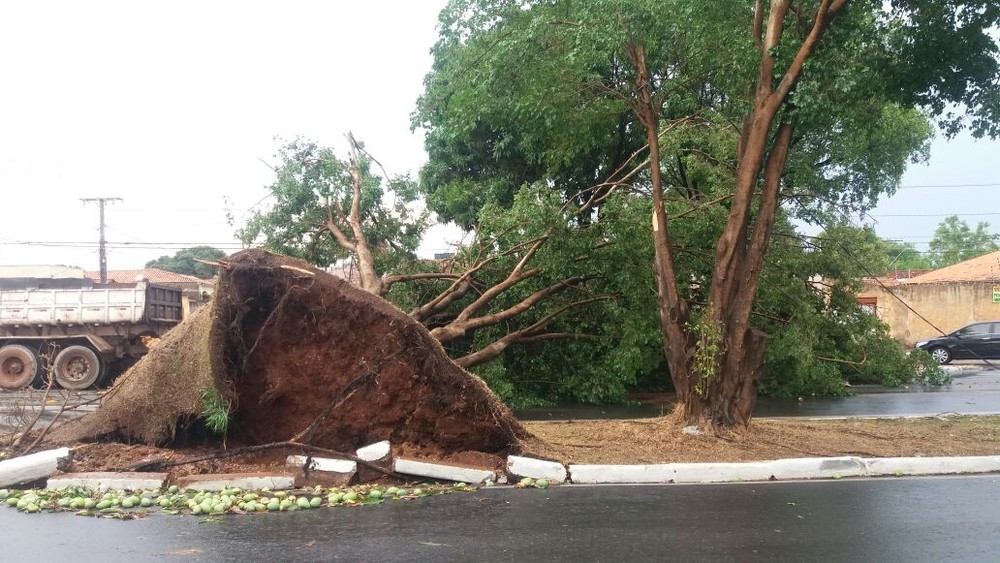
(76, 368)
(18, 367)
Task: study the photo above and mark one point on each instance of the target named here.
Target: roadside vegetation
(556, 131)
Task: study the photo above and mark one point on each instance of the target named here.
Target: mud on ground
(657, 440)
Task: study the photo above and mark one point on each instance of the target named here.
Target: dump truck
(79, 337)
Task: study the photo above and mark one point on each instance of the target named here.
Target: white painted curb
(519, 466)
(322, 464)
(107, 481)
(932, 465)
(375, 452)
(32, 467)
(781, 469)
(229, 481)
(446, 472)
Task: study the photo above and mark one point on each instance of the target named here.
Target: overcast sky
(172, 106)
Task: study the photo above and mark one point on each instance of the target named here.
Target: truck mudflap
(100, 344)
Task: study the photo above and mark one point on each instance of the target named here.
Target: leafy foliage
(214, 410)
(186, 261)
(539, 93)
(905, 256)
(954, 241)
(313, 186)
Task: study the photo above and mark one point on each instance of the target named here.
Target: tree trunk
(716, 362)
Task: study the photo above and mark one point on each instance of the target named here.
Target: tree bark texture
(715, 371)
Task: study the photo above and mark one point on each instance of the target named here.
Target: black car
(978, 341)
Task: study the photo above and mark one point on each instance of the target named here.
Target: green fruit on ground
(374, 493)
(196, 509)
(32, 508)
(273, 505)
(526, 482)
(351, 496)
(12, 501)
(392, 491)
(4, 493)
(127, 503)
(219, 507)
(172, 489)
(78, 503)
(103, 504)
(64, 502)
(316, 502)
(259, 507)
(89, 503)
(418, 492)
(22, 504)
(285, 504)
(145, 502)
(303, 502)
(541, 483)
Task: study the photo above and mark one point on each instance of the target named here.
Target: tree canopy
(954, 241)
(186, 261)
(815, 110)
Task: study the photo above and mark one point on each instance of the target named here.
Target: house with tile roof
(938, 301)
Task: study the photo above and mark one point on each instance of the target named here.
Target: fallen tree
(286, 352)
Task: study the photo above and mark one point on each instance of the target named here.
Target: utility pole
(103, 251)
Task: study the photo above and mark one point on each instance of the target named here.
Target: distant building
(43, 277)
(947, 298)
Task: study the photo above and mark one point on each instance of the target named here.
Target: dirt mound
(300, 354)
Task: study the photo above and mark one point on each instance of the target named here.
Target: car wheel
(940, 354)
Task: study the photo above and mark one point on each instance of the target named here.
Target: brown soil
(301, 355)
(661, 440)
(644, 441)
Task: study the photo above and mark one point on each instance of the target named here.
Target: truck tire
(76, 368)
(19, 367)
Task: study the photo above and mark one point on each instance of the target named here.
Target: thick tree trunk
(673, 309)
(717, 362)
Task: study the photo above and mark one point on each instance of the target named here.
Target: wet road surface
(975, 389)
(929, 519)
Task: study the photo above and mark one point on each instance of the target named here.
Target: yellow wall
(948, 306)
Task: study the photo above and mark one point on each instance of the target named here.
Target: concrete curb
(781, 469)
(106, 481)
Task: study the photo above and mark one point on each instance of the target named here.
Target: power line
(915, 187)
(932, 214)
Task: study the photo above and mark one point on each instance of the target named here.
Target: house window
(868, 304)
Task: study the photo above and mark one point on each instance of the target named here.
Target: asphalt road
(17, 407)
(929, 519)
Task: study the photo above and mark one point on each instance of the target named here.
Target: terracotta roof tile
(154, 275)
(985, 268)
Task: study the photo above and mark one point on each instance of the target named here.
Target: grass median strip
(660, 440)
